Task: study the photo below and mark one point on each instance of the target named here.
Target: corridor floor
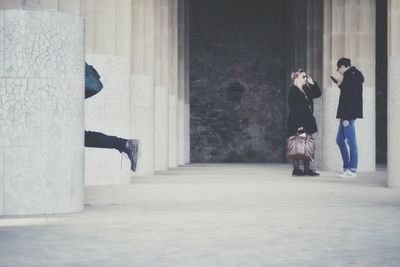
(217, 215)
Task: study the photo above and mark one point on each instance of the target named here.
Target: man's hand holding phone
(334, 79)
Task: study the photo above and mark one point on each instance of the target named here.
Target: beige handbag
(301, 147)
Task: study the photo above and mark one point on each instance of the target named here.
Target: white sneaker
(346, 174)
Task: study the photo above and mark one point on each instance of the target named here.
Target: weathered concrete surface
(237, 81)
(217, 215)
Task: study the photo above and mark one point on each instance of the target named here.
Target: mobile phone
(334, 79)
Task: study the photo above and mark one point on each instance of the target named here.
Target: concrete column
(297, 33)
(349, 30)
(173, 83)
(161, 125)
(306, 33)
(298, 29)
(182, 138)
(314, 35)
(41, 112)
(393, 93)
(142, 81)
(187, 83)
(65, 6)
(107, 41)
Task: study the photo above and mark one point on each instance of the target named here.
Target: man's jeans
(346, 140)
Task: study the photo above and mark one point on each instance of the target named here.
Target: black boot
(297, 172)
(311, 172)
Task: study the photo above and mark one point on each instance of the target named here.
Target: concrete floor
(217, 215)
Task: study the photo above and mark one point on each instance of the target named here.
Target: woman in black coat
(301, 109)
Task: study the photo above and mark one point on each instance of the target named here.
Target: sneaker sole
(138, 153)
(135, 146)
(346, 177)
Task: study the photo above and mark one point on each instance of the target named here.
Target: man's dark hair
(344, 62)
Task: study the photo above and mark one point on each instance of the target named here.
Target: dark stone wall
(237, 80)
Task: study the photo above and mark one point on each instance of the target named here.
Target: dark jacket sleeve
(343, 84)
(314, 90)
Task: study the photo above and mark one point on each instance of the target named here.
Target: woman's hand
(346, 123)
(310, 80)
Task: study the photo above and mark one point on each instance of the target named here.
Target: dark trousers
(296, 165)
(100, 140)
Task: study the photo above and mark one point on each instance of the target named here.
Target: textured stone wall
(64, 6)
(41, 112)
(237, 81)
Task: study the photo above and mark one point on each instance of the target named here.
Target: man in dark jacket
(349, 109)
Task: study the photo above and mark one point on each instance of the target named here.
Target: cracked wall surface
(41, 112)
(67, 6)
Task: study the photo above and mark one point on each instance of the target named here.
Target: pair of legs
(128, 146)
(296, 165)
(346, 140)
(307, 170)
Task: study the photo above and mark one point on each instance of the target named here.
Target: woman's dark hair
(344, 62)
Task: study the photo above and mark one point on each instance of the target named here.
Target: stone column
(349, 30)
(65, 6)
(107, 41)
(142, 81)
(306, 32)
(161, 124)
(183, 124)
(173, 83)
(41, 111)
(187, 83)
(314, 67)
(393, 93)
(297, 35)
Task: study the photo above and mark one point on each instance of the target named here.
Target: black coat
(351, 100)
(301, 109)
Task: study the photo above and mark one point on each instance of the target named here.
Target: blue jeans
(346, 140)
